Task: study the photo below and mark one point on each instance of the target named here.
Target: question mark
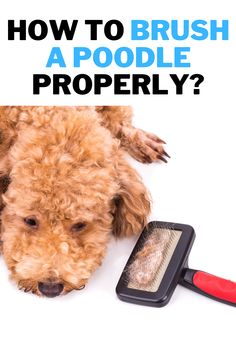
(200, 79)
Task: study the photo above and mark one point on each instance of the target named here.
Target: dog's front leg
(143, 146)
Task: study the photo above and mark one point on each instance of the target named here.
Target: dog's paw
(144, 147)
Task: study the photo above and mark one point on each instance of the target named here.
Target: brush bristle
(150, 263)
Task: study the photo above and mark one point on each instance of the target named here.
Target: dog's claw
(163, 142)
(155, 138)
(165, 153)
(81, 287)
(162, 158)
(160, 141)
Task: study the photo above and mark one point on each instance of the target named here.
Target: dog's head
(70, 188)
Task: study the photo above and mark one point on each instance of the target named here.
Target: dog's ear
(5, 170)
(6, 139)
(4, 178)
(132, 203)
(4, 183)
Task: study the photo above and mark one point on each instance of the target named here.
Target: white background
(197, 187)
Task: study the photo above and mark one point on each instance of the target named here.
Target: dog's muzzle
(50, 289)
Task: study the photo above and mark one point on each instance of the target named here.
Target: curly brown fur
(65, 186)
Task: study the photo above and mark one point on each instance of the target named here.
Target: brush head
(156, 262)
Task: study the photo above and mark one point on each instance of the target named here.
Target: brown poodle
(65, 186)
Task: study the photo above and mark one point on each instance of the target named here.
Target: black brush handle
(216, 288)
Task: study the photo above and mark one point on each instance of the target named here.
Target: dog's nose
(50, 289)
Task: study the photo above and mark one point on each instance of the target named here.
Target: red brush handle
(218, 287)
(209, 285)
